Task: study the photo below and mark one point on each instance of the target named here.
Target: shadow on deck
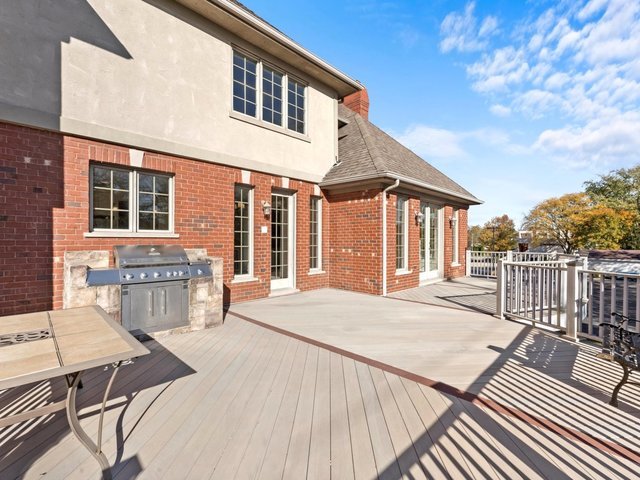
(467, 293)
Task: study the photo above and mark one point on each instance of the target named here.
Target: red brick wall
(44, 211)
(30, 192)
(355, 235)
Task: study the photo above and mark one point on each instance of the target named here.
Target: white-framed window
(259, 92)
(455, 237)
(402, 237)
(315, 233)
(130, 201)
(245, 74)
(242, 231)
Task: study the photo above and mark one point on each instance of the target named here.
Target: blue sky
(516, 101)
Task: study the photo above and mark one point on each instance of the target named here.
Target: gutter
(384, 235)
(277, 36)
(393, 176)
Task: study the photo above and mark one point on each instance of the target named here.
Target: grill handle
(163, 292)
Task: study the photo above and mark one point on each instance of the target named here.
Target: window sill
(274, 128)
(456, 264)
(403, 271)
(244, 279)
(129, 235)
(316, 271)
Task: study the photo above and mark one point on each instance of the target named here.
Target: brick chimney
(358, 102)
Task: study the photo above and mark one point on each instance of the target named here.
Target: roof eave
(255, 30)
(468, 200)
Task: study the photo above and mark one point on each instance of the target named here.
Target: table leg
(81, 435)
(625, 378)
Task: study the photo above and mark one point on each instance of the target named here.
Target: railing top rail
(611, 274)
(535, 263)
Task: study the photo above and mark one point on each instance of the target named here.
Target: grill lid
(130, 256)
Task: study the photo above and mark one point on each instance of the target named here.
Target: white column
(572, 298)
(501, 286)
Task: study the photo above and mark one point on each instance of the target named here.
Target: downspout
(384, 235)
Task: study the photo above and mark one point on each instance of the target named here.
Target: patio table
(44, 345)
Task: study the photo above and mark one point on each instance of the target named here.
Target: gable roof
(366, 152)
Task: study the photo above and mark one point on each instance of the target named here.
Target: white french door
(431, 242)
(282, 241)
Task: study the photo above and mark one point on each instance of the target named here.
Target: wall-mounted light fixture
(266, 208)
(419, 218)
(452, 221)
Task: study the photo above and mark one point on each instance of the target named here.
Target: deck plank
(297, 460)
(341, 454)
(408, 459)
(319, 466)
(384, 454)
(364, 464)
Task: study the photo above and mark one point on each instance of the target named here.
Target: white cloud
(576, 63)
(500, 110)
(603, 143)
(460, 31)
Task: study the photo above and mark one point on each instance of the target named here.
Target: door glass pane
(433, 238)
(279, 237)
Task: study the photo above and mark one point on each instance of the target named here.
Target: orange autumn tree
(575, 221)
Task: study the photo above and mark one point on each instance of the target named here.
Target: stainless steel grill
(155, 285)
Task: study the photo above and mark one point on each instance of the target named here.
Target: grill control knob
(168, 274)
(180, 273)
(200, 272)
(143, 275)
(175, 273)
(128, 276)
(157, 274)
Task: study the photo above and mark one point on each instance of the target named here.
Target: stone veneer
(205, 294)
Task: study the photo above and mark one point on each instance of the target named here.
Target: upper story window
(295, 102)
(130, 201)
(271, 96)
(265, 99)
(245, 71)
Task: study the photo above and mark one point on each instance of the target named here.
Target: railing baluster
(614, 300)
(625, 297)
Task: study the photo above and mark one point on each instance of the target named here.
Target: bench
(623, 347)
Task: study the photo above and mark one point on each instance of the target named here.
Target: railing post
(509, 256)
(572, 298)
(468, 264)
(500, 289)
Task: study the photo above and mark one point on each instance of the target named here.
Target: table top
(72, 340)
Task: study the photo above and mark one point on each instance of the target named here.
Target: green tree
(498, 234)
(603, 227)
(473, 237)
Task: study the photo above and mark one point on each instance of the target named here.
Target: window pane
(244, 84)
(120, 200)
(162, 203)
(145, 221)
(120, 220)
(145, 183)
(101, 198)
(162, 184)
(101, 219)
(400, 233)
(101, 177)
(162, 221)
(120, 180)
(145, 202)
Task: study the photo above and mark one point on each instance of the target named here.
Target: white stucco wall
(149, 74)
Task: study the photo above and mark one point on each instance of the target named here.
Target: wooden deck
(243, 401)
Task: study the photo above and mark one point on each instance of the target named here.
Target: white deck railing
(564, 295)
(485, 264)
